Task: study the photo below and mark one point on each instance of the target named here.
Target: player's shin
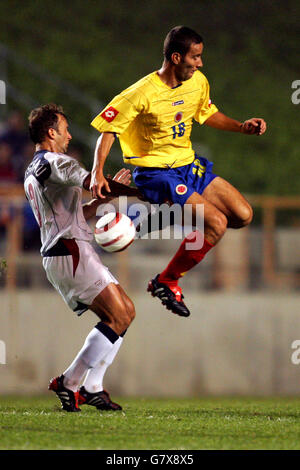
(98, 344)
(93, 381)
(188, 255)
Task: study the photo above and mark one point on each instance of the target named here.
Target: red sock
(184, 260)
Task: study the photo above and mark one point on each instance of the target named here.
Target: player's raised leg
(165, 285)
(227, 199)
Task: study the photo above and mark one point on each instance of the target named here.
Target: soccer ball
(114, 232)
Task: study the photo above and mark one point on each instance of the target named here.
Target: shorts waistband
(62, 248)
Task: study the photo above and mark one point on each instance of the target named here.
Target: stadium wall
(233, 344)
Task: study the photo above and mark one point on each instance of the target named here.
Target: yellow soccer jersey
(154, 121)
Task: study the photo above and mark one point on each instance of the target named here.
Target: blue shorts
(174, 185)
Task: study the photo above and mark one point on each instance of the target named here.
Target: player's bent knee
(219, 224)
(131, 315)
(130, 309)
(250, 215)
(121, 323)
(246, 215)
(123, 318)
(130, 312)
(129, 306)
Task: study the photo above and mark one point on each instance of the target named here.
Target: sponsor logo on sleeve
(209, 103)
(109, 114)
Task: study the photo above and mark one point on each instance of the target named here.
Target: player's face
(62, 135)
(188, 64)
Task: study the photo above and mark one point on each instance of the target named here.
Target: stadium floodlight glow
(2, 92)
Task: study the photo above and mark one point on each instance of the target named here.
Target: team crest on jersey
(109, 114)
(178, 117)
(181, 189)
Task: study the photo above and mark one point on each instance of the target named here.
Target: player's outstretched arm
(119, 187)
(98, 184)
(251, 126)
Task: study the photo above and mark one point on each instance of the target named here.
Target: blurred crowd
(16, 149)
(16, 152)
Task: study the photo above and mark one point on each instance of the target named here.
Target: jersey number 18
(179, 130)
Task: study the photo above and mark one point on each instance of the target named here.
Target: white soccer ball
(114, 232)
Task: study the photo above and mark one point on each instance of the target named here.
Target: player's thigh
(202, 208)
(229, 201)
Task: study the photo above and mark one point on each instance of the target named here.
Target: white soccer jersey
(53, 183)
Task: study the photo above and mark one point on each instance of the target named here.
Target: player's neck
(50, 146)
(167, 75)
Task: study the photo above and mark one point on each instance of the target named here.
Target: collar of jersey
(161, 83)
(40, 153)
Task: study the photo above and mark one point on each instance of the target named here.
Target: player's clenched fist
(254, 126)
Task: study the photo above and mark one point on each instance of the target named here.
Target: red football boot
(68, 399)
(171, 297)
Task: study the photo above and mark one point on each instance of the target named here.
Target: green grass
(179, 424)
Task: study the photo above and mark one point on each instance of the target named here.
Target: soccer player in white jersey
(153, 119)
(53, 185)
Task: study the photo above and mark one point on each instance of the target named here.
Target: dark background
(81, 53)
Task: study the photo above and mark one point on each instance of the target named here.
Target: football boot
(171, 297)
(68, 398)
(101, 400)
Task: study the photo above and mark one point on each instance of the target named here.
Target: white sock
(93, 381)
(99, 342)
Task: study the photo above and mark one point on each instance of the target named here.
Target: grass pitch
(180, 424)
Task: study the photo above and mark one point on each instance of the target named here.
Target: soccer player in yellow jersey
(153, 119)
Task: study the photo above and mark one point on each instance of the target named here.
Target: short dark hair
(179, 39)
(43, 118)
